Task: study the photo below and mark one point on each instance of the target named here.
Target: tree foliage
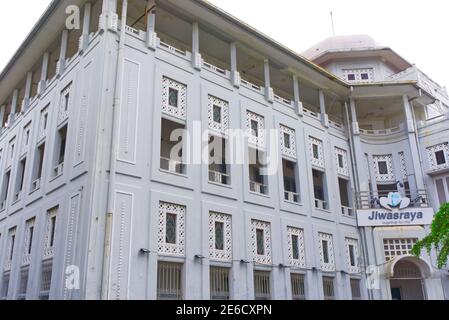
(438, 238)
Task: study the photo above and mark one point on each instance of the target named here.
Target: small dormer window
(364, 76)
(358, 75)
(351, 77)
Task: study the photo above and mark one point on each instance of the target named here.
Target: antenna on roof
(332, 21)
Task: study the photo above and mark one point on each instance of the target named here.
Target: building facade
(166, 150)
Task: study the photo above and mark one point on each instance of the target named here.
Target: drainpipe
(113, 157)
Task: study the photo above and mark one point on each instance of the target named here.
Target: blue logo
(394, 201)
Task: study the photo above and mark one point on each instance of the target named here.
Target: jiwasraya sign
(395, 213)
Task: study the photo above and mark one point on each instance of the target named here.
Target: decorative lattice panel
(432, 156)
(398, 247)
(29, 233)
(177, 248)
(287, 141)
(296, 247)
(403, 166)
(383, 168)
(328, 265)
(174, 98)
(255, 125)
(353, 266)
(220, 236)
(341, 162)
(316, 152)
(65, 101)
(218, 113)
(50, 231)
(264, 258)
(12, 238)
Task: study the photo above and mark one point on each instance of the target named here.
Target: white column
(44, 72)
(324, 116)
(84, 41)
(151, 25)
(235, 75)
(196, 56)
(60, 67)
(296, 97)
(269, 94)
(109, 17)
(414, 148)
(27, 95)
(2, 116)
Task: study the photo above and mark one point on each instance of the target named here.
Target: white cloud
(417, 30)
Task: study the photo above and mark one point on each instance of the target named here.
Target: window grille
(298, 286)
(398, 247)
(262, 290)
(219, 283)
(355, 289)
(169, 281)
(5, 286)
(23, 284)
(328, 288)
(46, 275)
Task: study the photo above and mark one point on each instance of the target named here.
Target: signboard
(395, 212)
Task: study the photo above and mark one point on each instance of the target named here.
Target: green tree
(438, 237)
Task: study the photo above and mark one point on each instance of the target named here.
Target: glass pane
(260, 242)
(439, 155)
(254, 128)
(170, 228)
(219, 236)
(217, 114)
(351, 255)
(325, 251)
(315, 151)
(340, 161)
(295, 248)
(173, 97)
(383, 169)
(287, 140)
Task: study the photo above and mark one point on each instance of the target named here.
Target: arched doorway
(407, 281)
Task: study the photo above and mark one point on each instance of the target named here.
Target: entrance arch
(407, 279)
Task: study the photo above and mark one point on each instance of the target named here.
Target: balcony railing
(58, 170)
(321, 204)
(219, 177)
(258, 187)
(36, 184)
(291, 196)
(347, 211)
(371, 200)
(171, 165)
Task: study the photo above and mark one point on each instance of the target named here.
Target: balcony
(370, 200)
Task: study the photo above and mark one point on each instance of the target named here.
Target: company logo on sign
(394, 201)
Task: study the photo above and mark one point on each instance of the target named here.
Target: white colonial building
(104, 192)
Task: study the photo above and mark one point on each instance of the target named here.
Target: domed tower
(399, 121)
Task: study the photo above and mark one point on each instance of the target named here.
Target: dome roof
(341, 43)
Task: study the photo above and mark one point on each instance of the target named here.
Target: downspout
(113, 156)
(357, 187)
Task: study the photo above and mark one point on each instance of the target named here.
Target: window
(219, 170)
(328, 288)
(383, 168)
(364, 76)
(296, 249)
(351, 77)
(262, 287)
(441, 187)
(398, 247)
(352, 262)
(315, 151)
(295, 246)
(173, 97)
(325, 246)
(46, 275)
(298, 287)
(287, 140)
(172, 147)
(219, 235)
(11, 247)
(217, 114)
(319, 183)
(5, 286)
(260, 241)
(23, 284)
(340, 161)
(29, 236)
(52, 231)
(291, 181)
(219, 283)
(440, 158)
(38, 167)
(170, 228)
(49, 240)
(258, 182)
(5, 189)
(355, 289)
(254, 128)
(20, 179)
(345, 197)
(62, 139)
(359, 75)
(169, 281)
